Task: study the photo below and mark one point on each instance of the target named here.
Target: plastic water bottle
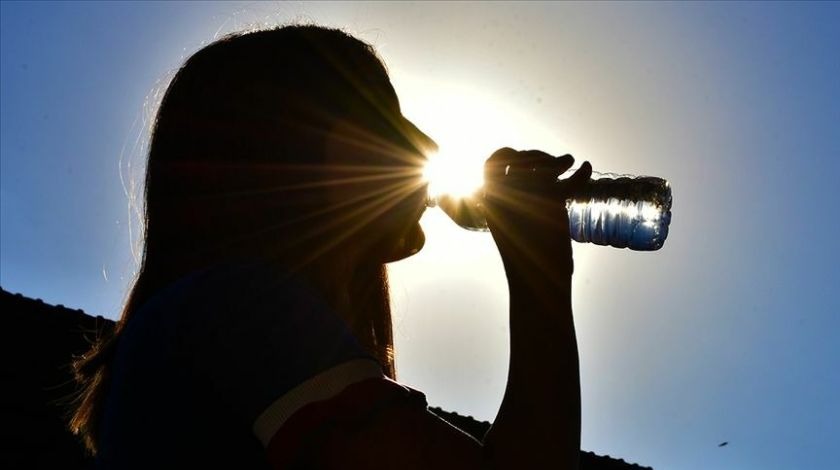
(622, 211)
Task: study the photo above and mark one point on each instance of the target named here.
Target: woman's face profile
(375, 184)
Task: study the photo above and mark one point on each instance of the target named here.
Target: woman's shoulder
(229, 309)
(252, 328)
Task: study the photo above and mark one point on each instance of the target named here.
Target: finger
(579, 178)
(564, 162)
(540, 159)
(499, 163)
(531, 164)
(539, 166)
(503, 156)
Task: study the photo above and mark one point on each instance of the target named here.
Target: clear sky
(729, 333)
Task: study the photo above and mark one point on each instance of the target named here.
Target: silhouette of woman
(281, 178)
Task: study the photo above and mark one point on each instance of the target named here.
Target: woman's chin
(409, 244)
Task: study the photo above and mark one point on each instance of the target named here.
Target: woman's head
(287, 142)
(284, 145)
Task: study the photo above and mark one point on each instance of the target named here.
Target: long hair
(235, 167)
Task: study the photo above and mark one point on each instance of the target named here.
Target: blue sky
(726, 334)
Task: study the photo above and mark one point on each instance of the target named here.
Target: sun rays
(449, 173)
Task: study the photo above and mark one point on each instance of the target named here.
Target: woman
(281, 178)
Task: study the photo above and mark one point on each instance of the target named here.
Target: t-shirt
(230, 365)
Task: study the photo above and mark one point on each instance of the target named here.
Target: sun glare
(468, 126)
(453, 173)
(463, 125)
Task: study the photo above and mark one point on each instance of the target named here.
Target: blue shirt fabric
(199, 361)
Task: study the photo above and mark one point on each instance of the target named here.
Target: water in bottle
(622, 211)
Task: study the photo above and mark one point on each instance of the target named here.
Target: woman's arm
(538, 424)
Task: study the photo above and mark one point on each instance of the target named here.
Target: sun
(463, 125)
(453, 172)
(468, 124)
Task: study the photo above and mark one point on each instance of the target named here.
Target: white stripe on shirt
(321, 387)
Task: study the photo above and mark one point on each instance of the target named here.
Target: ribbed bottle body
(622, 211)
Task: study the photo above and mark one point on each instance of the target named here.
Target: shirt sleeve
(292, 429)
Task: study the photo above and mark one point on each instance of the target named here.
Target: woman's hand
(525, 206)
